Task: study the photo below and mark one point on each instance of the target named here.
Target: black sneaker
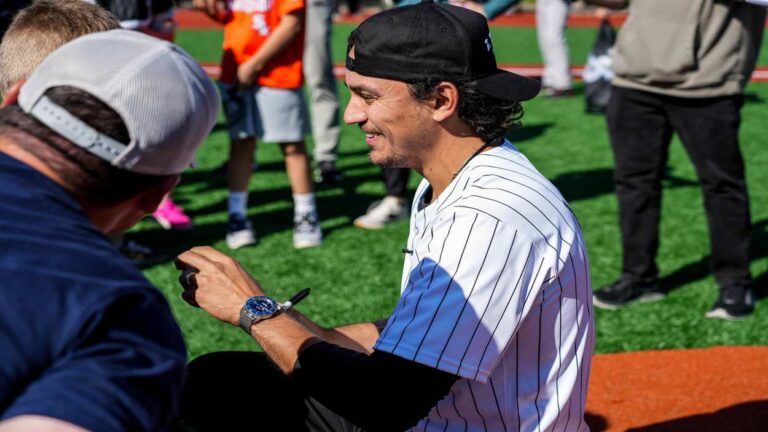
(735, 302)
(327, 172)
(625, 291)
(141, 255)
(239, 232)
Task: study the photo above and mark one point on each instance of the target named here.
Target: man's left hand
(215, 282)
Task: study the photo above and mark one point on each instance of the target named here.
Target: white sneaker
(239, 232)
(382, 212)
(306, 231)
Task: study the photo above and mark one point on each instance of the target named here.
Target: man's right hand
(215, 282)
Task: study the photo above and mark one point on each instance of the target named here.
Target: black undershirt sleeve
(378, 392)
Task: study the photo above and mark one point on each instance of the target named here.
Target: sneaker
(382, 212)
(326, 172)
(141, 255)
(171, 216)
(239, 232)
(553, 93)
(306, 231)
(735, 302)
(625, 291)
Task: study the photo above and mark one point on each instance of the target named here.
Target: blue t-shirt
(84, 337)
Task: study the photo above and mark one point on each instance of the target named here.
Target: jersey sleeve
(122, 370)
(472, 281)
(284, 7)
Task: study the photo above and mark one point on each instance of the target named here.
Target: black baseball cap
(434, 40)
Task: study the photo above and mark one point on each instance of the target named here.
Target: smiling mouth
(370, 135)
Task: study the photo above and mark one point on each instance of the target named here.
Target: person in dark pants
(665, 85)
(394, 206)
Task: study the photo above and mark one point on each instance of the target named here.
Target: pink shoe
(171, 216)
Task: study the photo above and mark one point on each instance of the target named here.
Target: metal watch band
(246, 322)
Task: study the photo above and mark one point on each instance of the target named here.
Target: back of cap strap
(75, 130)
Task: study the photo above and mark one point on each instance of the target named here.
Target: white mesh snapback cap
(164, 97)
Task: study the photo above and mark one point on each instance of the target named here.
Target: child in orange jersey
(261, 91)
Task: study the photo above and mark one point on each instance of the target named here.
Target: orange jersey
(250, 24)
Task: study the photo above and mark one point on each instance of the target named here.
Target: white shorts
(269, 114)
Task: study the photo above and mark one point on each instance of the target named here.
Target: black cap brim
(509, 86)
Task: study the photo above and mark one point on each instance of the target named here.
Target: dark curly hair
(488, 116)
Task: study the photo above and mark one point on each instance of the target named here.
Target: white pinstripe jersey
(496, 289)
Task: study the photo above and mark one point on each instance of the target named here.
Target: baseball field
(660, 366)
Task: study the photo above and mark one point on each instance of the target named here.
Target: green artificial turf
(355, 275)
(512, 44)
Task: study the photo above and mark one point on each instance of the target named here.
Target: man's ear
(446, 102)
(12, 94)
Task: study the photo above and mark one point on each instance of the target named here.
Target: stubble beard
(398, 158)
(390, 161)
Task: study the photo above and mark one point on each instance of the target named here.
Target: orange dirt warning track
(720, 389)
(193, 19)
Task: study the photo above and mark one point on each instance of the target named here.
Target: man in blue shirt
(85, 341)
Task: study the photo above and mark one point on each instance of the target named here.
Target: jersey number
(260, 24)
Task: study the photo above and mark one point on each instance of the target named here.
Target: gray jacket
(689, 48)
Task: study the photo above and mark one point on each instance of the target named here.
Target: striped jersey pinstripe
(496, 289)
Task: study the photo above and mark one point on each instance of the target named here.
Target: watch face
(260, 307)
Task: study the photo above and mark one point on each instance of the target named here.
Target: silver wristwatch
(257, 308)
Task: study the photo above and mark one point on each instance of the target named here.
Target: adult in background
(394, 205)
(490, 9)
(551, 22)
(494, 327)
(323, 96)
(87, 343)
(153, 17)
(681, 68)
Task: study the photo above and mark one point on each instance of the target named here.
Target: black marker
(295, 299)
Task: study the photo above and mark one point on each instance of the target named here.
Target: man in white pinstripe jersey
(494, 328)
